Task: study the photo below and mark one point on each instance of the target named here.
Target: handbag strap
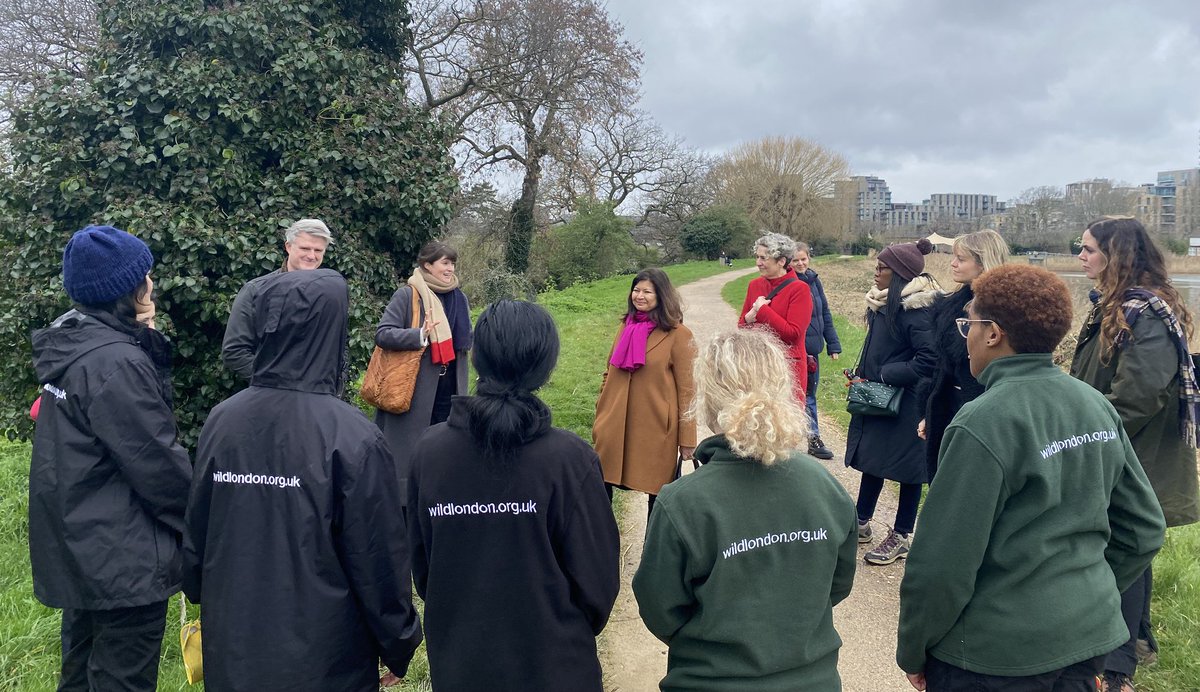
(775, 291)
(416, 308)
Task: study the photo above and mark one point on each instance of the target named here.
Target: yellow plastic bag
(189, 644)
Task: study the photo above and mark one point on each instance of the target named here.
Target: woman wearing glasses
(953, 384)
(1134, 349)
(899, 350)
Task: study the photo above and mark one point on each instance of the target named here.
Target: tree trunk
(521, 222)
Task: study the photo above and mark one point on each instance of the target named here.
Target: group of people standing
(300, 524)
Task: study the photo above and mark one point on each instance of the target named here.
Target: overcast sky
(933, 95)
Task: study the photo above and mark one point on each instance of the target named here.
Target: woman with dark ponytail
(514, 546)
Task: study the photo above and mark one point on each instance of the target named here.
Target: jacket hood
(68, 338)
(301, 318)
(808, 276)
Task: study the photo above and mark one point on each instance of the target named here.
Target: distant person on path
(640, 431)
(1134, 350)
(745, 558)
(778, 301)
(899, 350)
(108, 479)
(724, 259)
(304, 242)
(444, 331)
(1039, 516)
(953, 385)
(294, 548)
(820, 334)
(514, 542)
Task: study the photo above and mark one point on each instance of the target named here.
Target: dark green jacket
(1142, 382)
(1038, 517)
(742, 566)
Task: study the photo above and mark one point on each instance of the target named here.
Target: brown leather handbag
(392, 375)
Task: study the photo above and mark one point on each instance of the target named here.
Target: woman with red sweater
(780, 302)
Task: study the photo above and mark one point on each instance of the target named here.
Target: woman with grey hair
(780, 302)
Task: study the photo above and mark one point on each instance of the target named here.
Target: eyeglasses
(881, 268)
(964, 325)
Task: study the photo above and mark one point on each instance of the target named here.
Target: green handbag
(867, 398)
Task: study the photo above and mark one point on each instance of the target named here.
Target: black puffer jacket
(953, 385)
(295, 545)
(108, 480)
(889, 447)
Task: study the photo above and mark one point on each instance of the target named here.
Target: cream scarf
(877, 298)
(440, 339)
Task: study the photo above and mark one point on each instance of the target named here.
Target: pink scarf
(630, 351)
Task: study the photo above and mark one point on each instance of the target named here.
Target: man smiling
(304, 242)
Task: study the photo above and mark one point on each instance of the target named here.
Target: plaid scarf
(1137, 300)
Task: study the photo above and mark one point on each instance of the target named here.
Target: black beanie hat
(102, 263)
(906, 259)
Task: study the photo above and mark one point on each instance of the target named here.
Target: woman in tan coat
(639, 431)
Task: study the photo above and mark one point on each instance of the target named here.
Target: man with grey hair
(305, 242)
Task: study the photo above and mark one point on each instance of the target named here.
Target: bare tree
(38, 37)
(786, 184)
(522, 77)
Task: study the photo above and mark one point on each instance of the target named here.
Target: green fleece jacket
(1039, 516)
(742, 566)
(1142, 383)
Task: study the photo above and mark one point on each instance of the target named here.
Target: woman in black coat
(953, 384)
(898, 351)
(514, 545)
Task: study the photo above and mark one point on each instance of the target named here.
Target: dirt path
(634, 661)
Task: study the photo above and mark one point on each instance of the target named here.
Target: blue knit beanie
(102, 263)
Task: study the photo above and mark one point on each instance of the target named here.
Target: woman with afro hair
(1040, 513)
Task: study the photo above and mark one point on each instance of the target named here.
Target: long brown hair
(668, 313)
(1132, 259)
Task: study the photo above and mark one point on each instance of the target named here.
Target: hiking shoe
(1116, 682)
(893, 548)
(1146, 656)
(817, 448)
(864, 532)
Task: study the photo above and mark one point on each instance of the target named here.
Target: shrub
(206, 128)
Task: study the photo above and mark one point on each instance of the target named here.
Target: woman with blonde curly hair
(1134, 349)
(752, 551)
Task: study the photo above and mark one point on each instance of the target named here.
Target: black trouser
(446, 386)
(906, 510)
(1135, 608)
(112, 649)
(1080, 677)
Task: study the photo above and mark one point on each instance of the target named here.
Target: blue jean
(810, 397)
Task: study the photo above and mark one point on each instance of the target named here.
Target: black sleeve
(195, 535)
(589, 549)
(371, 547)
(241, 342)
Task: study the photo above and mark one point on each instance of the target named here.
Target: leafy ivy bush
(205, 127)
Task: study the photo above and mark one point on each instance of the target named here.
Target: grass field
(1175, 610)
(587, 318)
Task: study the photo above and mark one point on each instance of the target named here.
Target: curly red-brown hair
(1032, 305)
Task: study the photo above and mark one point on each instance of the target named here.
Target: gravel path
(634, 661)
